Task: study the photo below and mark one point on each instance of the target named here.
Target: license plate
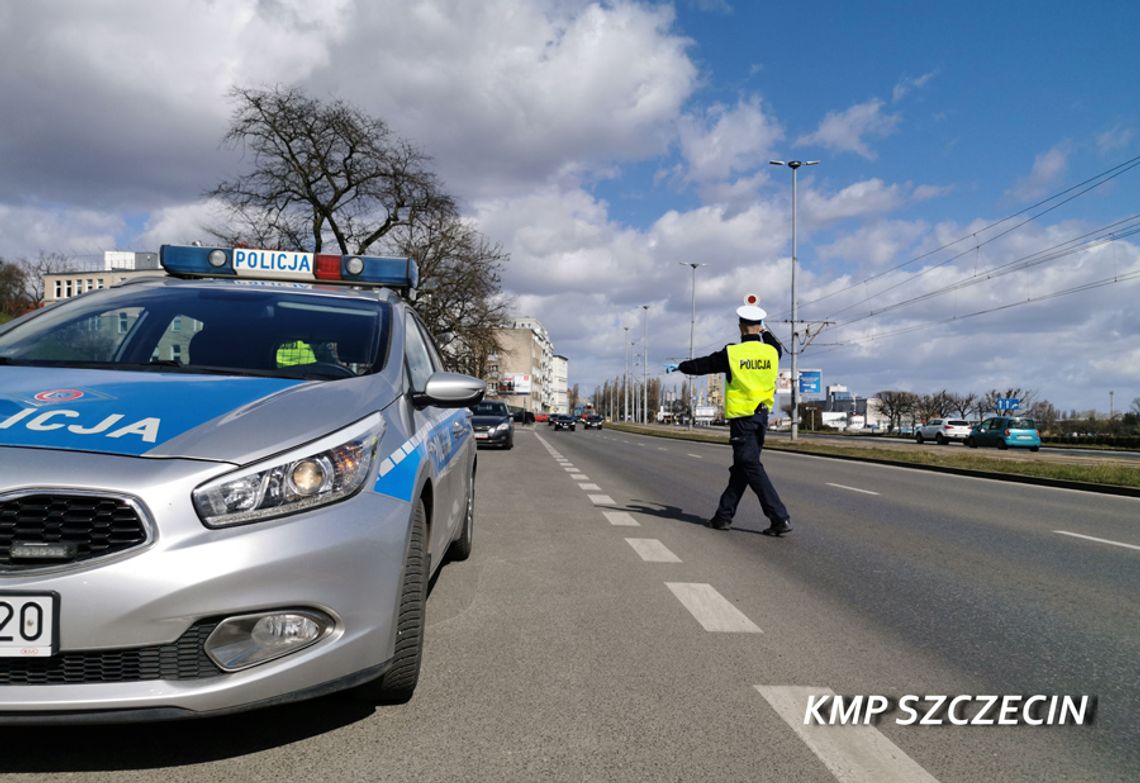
(481, 436)
(28, 625)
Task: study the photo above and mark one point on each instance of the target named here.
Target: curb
(1083, 486)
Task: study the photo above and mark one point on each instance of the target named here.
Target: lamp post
(692, 327)
(625, 380)
(645, 365)
(794, 166)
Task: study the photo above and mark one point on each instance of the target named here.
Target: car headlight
(325, 471)
(503, 427)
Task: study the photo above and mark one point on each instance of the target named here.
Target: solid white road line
(853, 489)
(601, 500)
(854, 754)
(590, 487)
(652, 551)
(711, 609)
(1098, 540)
(696, 456)
(621, 518)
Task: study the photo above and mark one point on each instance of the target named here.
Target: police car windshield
(269, 331)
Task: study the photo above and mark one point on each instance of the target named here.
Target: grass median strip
(1104, 472)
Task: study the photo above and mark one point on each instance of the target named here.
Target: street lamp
(625, 380)
(794, 165)
(645, 365)
(692, 326)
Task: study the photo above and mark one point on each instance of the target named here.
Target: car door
(448, 433)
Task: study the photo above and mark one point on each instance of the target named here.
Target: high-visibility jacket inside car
(753, 367)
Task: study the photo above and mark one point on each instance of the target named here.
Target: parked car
(225, 488)
(564, 422)
(942, 431)
(493, 424)
(1005, 432)
(593, 422)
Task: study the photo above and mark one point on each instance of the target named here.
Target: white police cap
(751, 312)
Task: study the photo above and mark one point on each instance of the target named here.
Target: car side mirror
(450, 390)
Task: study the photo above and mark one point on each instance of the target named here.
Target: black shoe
(778, 529)
(719, 524)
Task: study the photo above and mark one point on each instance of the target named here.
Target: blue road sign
(811, 381)
(1008, 404)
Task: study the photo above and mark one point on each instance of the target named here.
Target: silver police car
(225, 488)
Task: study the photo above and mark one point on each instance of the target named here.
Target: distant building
(522, 373)
(118, 266)
(560, 366)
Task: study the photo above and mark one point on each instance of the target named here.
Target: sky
(968, 226)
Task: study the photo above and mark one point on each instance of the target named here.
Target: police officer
(750, 372)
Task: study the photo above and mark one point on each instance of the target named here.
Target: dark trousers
(747, 436)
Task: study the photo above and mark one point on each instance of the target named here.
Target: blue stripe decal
(397, 472)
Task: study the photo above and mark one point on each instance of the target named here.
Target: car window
(995, 424)
(934, 422)
(240, 330)
(958, 423)
(1022, 424)
(490, 409)
(416, 354)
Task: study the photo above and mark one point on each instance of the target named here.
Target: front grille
(94, 526)
(184, 659)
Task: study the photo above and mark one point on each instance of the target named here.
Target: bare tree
(896, 405)
(933, 406)
(326, 173)
(322, 172)
(13, 290)
(961, 404)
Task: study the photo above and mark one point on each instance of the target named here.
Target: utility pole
(645, 365)
(692, 327)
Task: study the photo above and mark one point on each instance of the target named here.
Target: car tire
(1003, 445)
(940, 439)
(460, 548)
(1034, 448)
(970, 443)
(510, 443)
(396, 685)
(918, 439)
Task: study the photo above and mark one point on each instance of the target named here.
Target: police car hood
(211, 417)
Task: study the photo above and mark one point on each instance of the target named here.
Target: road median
(1091, 474)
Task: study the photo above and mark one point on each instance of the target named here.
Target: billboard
(514, 383)
(784, 382)
(811, 381)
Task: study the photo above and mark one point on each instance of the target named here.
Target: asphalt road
(600, 633)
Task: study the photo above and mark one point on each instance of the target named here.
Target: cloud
(1114, 139)
(859, 199)
(849, 130)
(83, 234)
(908, 84)
(1048, 169)
(723, 141)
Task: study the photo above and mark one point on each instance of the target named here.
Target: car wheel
(1003, 445)
(970, 443)
(940, 439)
(460, 548)
(1034, 448)
(918, 438)
(396, 685)
(510, 443)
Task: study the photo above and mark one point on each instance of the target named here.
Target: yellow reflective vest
(296, 352)
(753, 366)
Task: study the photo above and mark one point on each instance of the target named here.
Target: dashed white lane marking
(711, 609)
(652, 551)
(578, 476)
(590, 487)
(621, 518)
(571, 469)
(696, 456)
(661, 448)
(852, 489)
(1098, 540)
(601, 500)
(854, 754)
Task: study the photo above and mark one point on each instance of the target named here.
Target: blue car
(1005, 432)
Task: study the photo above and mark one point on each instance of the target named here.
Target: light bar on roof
(290, 266)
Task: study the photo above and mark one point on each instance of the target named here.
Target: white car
(942, 431)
